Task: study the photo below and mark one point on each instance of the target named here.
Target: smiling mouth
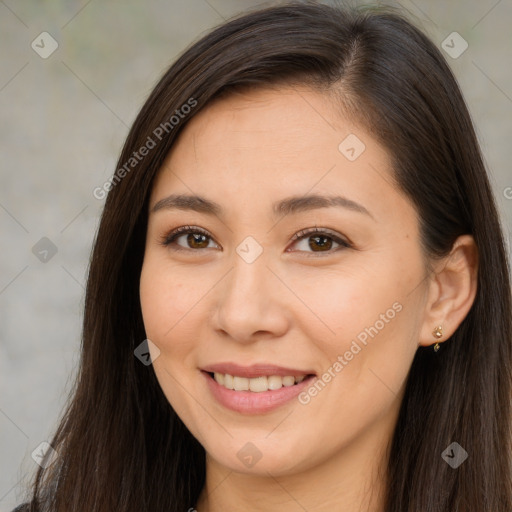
(257, 384)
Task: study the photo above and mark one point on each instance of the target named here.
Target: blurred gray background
(64, 117)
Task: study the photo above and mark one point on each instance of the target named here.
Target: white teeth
(241, 383)
(274, 382)
(228, 381)
(288, 381)
(257, 384)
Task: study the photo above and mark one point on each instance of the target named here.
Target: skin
(296, 305)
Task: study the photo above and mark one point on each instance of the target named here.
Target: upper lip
(255, 370)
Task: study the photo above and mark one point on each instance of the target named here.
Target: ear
(452, 291)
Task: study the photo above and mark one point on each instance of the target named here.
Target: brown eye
(321, 241)
(194, 238)
(318, 240)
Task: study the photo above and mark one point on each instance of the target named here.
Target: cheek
(167, 306)
(341, 305)
(363, 325)
(166, 296)
(168, 315)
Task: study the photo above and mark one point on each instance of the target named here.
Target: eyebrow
(288, 206)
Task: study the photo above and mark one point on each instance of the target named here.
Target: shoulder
(22, 508)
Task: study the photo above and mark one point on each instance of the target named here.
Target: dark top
(22, 508)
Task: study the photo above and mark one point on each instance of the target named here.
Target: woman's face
(329, 320)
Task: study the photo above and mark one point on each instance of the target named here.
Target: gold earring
(437, 333)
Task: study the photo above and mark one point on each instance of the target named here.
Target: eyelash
(169, 239)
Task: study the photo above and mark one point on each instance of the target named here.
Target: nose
(251, 302)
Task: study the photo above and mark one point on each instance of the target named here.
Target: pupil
(194, 238)
(321, 245)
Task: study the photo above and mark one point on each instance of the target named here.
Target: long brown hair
(120, 444)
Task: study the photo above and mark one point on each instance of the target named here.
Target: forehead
(289, 117)
(261, 146)
(272, 132)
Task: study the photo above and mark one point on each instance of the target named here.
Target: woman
(374, 376)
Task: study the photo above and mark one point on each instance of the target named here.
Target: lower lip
(250, 402)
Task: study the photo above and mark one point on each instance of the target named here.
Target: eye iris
(322, 246)
(192, 238)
